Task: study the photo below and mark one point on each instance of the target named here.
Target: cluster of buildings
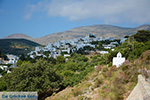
(9, 63)
(67, 46)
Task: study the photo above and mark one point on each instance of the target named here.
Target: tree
(19, 62)
(142, 36)
(3, 86)
(22, 57)
(126, 36)
(52, 60)
(46, 53)
(39, 76)
(0, 51)
(68, 73)
(100, 45)
(60, 59)
(71, 66)
(2, 55)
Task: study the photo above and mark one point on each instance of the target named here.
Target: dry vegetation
(108, 83)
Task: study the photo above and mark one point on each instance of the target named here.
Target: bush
(112, 96)
(118, 92)
(98, 82)
(110, 64)
(98, 68)
(77, 92)
(3, 86)
(60, 59)
(68, 73)
(105, 69)
(124, 67)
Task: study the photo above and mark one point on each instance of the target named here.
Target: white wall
(118, 61)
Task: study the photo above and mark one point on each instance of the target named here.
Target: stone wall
(141, 90)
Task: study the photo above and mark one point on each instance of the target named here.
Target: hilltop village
(84, 45)
(87, 44)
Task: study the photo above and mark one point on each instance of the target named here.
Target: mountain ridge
(98, 30)
(17, 36)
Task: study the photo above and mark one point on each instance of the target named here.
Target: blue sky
(38, 18)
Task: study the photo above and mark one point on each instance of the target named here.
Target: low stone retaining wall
(141, 90)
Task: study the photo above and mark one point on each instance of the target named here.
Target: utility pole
(133, 49)
(132, 38)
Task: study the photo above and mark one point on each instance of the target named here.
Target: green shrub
(112, 96)
(3, 86)
(110, 64)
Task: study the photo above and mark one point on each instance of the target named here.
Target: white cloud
(110, 11)
(35, 8)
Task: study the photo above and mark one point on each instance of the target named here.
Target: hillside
(17, 46)
(18, 36)
(108, 82)
(76, 78)
(98, 30)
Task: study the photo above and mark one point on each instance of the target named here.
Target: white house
(4, 67)
(109, 46)
(118, 60)
(123, 40)
(49, 46)
(104, 52)
(37, 49)
(66, 55)
(8, 71)
(112, 43)
(12, 59)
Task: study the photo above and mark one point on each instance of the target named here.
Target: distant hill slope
(17, 46)
(18, 36)
(98, 30)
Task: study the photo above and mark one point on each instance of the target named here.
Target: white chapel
(118, 61)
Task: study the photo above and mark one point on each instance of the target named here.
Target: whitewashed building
(123, 40)
(66, 55)
(12, 59)
(118, 61)
(104, 52)
(8, 71)
(4, 67)
(37, 49)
